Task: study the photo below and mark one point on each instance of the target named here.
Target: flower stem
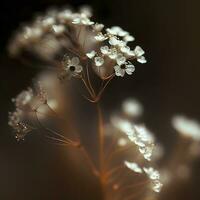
(101, 148)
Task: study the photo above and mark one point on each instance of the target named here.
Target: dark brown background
(169, 83)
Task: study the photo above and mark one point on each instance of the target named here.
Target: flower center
(123, 66)
(72, 68)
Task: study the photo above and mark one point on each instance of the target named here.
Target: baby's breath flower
(91, 54)
(72, 66)
(58, 29)
(154, 176)
(113, 53)
(187, 127)
(126, 67)
(65, 15)
(86, 10)
(99, 61)
(132, 108)
(105, 50)
(129, 38)
(133, 166)
(116, 30)
(82, 19)
(139, 52)
(122, 142)
(48, 22)
(23, 98)
(100, 37)
(98, 27)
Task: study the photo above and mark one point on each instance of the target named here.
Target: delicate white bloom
(134, 167)
(145, 141)
(125, 49)
(157, 185)
(100, 37)
(91, 54)
(116, 30)
(154, 176)
(98, 27)
(99, 61)
(113, 53)
(132, 108)
(32, 33)
(142, 60)
(48, 22)
(152, 173)
(129, 38)
(123, 125)
(138, 53)
(58, 29)
(122, 142)
(105, 50)
(72, 66)
(127, 67)
(187, 127)
(120, 59)
(113, 41)
(65, 15)
(86, 10)
(23, 98)
(82, 19)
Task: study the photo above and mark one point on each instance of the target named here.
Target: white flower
(120, 59)
(139, 52)
(105, 50)
(154, 176)
(86, 10)
(113, 53)
(72, 66)
(122, 142)
(133, 166)
(125, 49)
(132, 108)
(127, 67)
(91, 54)
(82, 19)
(65, 15)
(98, 61)
(24, 98)
(100, 37)
(116, 30)
(113, 41)
(152, 173)
(98, 27)
(129, 38)
(48, 22)
(187, 127)
(58, 29)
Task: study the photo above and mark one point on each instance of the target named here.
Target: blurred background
(168, 84)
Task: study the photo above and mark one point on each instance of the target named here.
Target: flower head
(71, 67)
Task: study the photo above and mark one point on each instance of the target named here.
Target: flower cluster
(151, 173)
(137, 134)
(74, 36)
